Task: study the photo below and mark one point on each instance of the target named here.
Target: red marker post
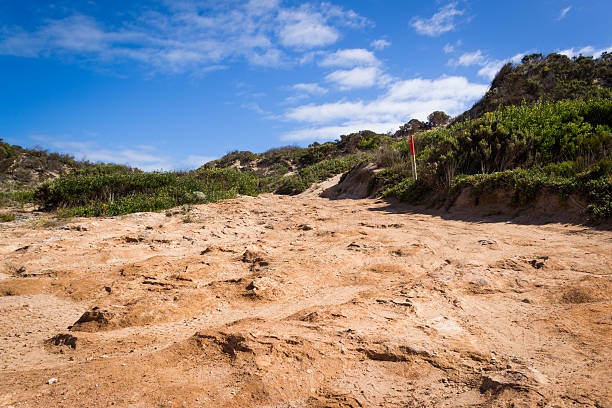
(413, 158)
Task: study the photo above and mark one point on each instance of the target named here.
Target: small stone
(309, 371)
(52, 380)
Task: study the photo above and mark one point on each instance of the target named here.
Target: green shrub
(122, 193)
(525, 185)
(7, 217)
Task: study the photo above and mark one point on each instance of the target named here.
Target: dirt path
(302, 301)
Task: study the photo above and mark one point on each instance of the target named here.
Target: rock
(497, 382)
(82, 227)
(401, 302)
(93, 320)
(63, 340)
(485, 242)
(261, 284)
(108, 289)
(252, 256)
(479, 282)
(262, 287)
(539, 262)
(51, 380)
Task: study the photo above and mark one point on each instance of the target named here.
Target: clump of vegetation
(7, 217)
(16, 198)
(20, 167)
(323, 170)
(524, 185)
(563, 146)
(550, 78)
(115, 193)
(290, 158)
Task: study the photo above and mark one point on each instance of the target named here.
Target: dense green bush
(562, 146)
(113, 193)
(518, 136)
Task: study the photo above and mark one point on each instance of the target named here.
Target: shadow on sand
(519, 216)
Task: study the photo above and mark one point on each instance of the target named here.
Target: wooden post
(413, 158)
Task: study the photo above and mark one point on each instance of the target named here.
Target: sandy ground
(303, 301)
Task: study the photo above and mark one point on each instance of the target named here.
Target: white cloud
(310, 88)
(359, 77)
(449, 48)
(270, 58)
(187, 36)
(333, 132)
(441, 22)
(305, 30)
(471, 58)
(589, 50)
(380, 44)
(564, 13)
(350, 58)
(143, 157)
(488, 66)
(412, 98)
(195, 161)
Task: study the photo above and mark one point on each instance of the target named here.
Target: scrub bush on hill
(559, 145)
(523, 185)
(20, 164)
(551, 78)
(323, 170)
(299, 157)
(114, 193)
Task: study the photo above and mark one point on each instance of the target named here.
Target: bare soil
(305, 302)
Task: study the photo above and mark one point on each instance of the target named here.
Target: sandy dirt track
(302, 301)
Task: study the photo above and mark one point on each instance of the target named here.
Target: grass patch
(16, 198)
(7, 217)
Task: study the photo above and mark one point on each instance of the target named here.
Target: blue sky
(173, 84)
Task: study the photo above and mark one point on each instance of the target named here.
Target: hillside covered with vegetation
(25, 167)
(553, 77)
(545, 125)
(564, 147)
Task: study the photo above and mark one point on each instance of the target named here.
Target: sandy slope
(302, 301)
